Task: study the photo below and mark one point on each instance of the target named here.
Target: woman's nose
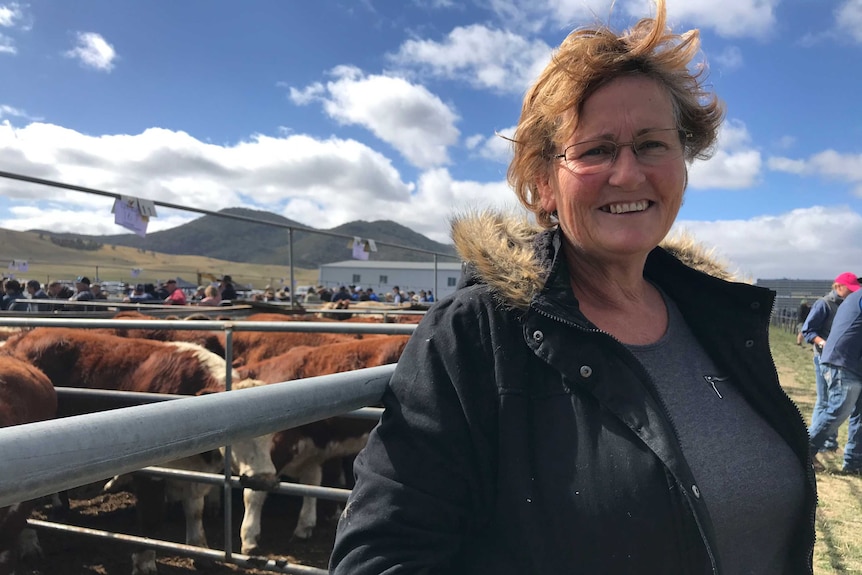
(626, 172)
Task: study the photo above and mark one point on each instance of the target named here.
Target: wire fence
(252, 277)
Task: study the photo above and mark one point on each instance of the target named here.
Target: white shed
(381, 276)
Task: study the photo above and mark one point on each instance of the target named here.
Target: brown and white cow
(77, 358)
(212, 341)
(301, 452)
(26, 395)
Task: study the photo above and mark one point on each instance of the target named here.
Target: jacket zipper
(809, 468)
(667, 417)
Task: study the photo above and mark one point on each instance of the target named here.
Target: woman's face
(628, 208)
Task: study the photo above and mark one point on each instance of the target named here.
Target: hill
(235, 240)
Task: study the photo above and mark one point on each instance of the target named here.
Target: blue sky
(327, 112)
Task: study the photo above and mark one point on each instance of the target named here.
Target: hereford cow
(254, 346)
(77, 358)
(26, 395)
(300, 452)
(212, 341)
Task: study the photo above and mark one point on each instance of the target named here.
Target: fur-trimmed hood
(500, 250)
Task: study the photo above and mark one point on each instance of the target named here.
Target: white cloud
(7, 45)
(829, 164)
(480, 56)
(345, 178)
(730, 18)
(11, 15)
(439, 197)
(407, 116)
(735, 164)
(497, 147)
(848, 19)
(93, 51)
(799, 244)
(729, 59)
(63, 220)
(307, 95)
(12, 112)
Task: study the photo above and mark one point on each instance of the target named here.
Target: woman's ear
(546, 190)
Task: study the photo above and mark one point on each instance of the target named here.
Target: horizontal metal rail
(213, 325)
(251, 562)
(115, 399)
(283, 488)
(49, 456)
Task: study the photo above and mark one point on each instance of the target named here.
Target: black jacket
(518, 439)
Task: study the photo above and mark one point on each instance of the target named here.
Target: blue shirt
(844, 346)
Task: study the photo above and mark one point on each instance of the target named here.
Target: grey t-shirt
(751, 481)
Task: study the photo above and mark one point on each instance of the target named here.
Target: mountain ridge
(232, 239)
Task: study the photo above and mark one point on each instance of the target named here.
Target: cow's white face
(252, 461)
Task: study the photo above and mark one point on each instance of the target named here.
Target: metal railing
(49, 456)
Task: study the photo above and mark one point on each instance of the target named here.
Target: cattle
(26, 395)
(211, 341)
(254, 346)
(77, 358)
(301, 452)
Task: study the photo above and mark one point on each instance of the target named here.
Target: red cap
(849, 280)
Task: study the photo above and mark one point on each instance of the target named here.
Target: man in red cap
(841, 364)
(816, 330)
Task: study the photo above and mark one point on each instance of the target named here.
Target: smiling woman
(586, 401)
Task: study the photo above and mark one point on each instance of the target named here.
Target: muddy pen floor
(73, 554)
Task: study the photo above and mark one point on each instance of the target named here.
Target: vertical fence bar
(290, 263)
(436, 287)
(227, 491)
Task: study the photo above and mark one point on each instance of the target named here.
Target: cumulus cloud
(61, 219)
(497, 147)
(407, 116)
(735, 164)
(848, 19)
(481, 56)
(828, 164)
(345, 178)
(727, 60)
(12, 112)
(93, 51)
(12, 16)
(799, 244)
(732, 18)
(439, 196)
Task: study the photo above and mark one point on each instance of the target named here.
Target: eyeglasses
(651, 148)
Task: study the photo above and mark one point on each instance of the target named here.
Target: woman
(211, 296)
(586, 402)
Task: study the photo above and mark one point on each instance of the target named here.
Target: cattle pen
(137, 430)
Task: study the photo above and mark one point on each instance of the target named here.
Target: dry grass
(48, 262)
(839, 514)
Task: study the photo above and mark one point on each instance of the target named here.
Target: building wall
(382, 279)
(790, 293)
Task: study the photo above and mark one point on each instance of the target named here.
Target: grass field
(839, 513)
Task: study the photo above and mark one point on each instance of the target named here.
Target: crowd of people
(167, 293)
(357, 293)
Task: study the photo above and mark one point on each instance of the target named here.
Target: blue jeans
(820, 404)
(844, 398)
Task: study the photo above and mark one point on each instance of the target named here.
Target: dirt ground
(72, 554)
